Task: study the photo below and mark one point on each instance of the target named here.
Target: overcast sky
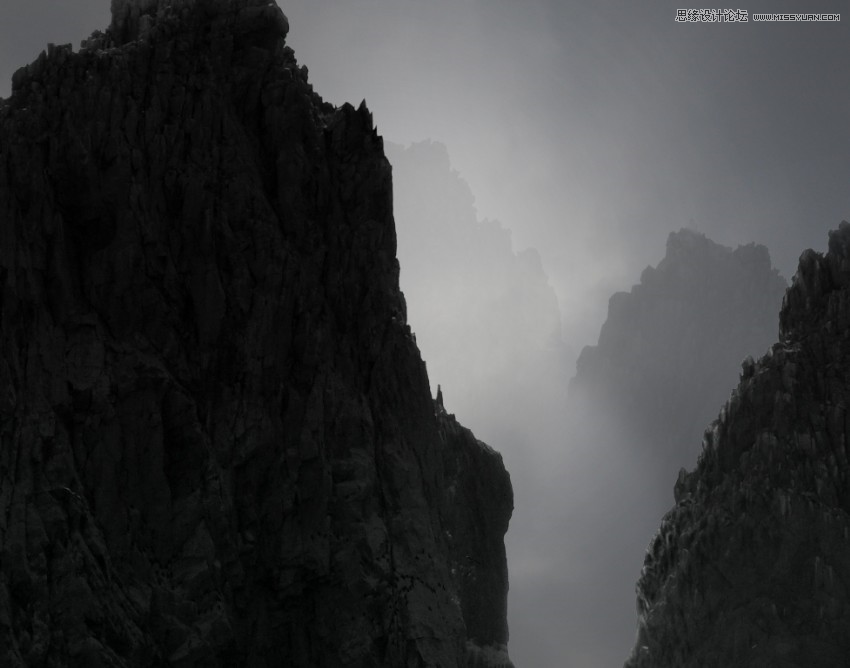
(590, 129)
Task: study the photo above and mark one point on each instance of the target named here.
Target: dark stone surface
(751, 567)
(217, 441)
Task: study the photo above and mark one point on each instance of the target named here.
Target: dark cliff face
(751, 567)
(218, 441)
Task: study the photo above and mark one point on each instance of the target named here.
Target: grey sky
(590, 129)
(594, 129)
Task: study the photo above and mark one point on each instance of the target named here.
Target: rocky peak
(694, 262)
(687, 241)
(259, 22)
(219, 446)
(816, 295)
(670, 348)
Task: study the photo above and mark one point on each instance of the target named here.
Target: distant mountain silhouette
(485, 315)
(667, 358)
(751, 566)
(671, 348)
(488, 323)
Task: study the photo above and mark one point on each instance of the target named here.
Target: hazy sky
(590, 129)
(594, 129)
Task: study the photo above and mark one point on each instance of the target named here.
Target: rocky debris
(750, 568)
(218, 442)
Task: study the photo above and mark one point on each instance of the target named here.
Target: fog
(593, 129)
(586, 132)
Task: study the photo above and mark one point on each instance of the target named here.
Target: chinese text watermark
(743, 16)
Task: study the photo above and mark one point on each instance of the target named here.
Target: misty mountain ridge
(488, 323)
(671, 348)
(219, 446)
(702, 299)
(750, 566)
(667, 357)
(485, 316)
(471, 295)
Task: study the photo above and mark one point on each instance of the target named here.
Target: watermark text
(743, 16)
(796, 17)
(712, 16)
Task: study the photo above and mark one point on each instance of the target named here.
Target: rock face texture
(217, 441)
(752, 565)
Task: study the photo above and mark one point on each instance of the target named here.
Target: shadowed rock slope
(217, 441)
(751, 567)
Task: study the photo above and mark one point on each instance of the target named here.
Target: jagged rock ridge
(750, 568)
(218, 441)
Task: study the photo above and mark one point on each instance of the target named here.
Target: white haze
(590, 130)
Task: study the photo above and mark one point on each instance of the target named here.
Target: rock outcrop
(751, 567)
(217, 441)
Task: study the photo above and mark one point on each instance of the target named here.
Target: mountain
(487, 320)
(667, 358)
(750, 568)
(219, 446)
(670, 350)
(485, 315)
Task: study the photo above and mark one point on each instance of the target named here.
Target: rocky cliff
(218, 442)
(752, 565)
